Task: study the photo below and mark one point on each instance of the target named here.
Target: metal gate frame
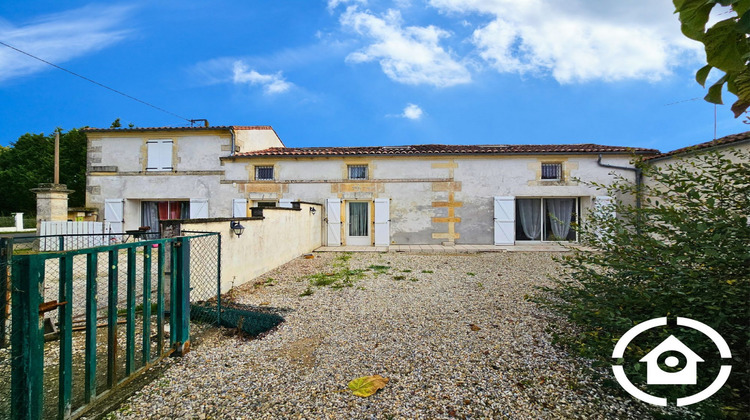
(27, 334)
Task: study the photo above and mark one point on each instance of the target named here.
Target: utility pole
(57, 157)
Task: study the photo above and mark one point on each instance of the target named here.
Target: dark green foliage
(726, 44)
(691, 259)
(30, 161)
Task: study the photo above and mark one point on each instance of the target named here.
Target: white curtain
(150, 216)
(530, 212)
(358, 219)
(560, 211)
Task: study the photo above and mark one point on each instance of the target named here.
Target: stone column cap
(60, 188)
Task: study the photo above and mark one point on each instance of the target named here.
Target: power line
(685, 100)
(95, 82)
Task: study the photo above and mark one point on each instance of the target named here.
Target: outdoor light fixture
(237, 228)
(312, 210)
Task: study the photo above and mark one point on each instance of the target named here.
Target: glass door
(358, 226)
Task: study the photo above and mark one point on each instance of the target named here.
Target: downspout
(231, 131)
(638, 187)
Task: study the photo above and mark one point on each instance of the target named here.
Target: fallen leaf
(474, 327)
(367, 385)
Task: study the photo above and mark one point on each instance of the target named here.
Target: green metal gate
(86, 321)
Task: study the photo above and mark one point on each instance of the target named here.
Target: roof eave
(695, 149)
(594, 153)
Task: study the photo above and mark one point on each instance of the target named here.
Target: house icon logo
(688, 375)
(686, 372)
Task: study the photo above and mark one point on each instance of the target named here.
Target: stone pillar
(51, 202)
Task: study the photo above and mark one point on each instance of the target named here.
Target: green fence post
(112, 320)
(65, 319)
(27, 339)
(147, 304)
(160, 298)
(91, 320)
(181, 296)
(218, 280)
(6, 253)
(130, 315)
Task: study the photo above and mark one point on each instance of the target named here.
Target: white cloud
(60, 37)
(578, 40)
(332, 4)
(410, 55)
(271, 83)
(412, 112)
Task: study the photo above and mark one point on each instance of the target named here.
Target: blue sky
(357, 72)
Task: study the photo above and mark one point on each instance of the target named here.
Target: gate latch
(49, 306)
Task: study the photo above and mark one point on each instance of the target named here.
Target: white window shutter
(285, 203)
(333, 217)
(159, 155)
(113, 215)
(505, 220)
(199, 208)
(239, 207)
(382, 222)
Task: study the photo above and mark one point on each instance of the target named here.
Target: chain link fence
(127, 280)
(119, 278)
(206, 301)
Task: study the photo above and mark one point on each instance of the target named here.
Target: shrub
(684, 253)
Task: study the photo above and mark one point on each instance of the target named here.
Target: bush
(685, 253)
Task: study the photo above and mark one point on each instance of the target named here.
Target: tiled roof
(444, 149)
(196, 128)
(724, 141)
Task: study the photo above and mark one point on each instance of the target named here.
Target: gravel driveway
(453, 333)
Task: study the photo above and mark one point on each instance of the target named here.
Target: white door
(285, 203)
(113, 215)
(382, 222)
(505, 220)
(333, 221)
(199, 208)
(239, 207)
(358, 223)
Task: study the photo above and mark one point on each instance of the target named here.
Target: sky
(364, 72)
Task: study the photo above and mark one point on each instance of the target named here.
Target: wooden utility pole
(57, 157)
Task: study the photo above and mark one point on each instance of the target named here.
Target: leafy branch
(726, 44)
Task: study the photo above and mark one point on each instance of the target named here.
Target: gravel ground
(453, 333)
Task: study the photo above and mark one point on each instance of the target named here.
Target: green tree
(29, 161)
(691, 259)
(727, 47)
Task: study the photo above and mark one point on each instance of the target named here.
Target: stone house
(418, 194)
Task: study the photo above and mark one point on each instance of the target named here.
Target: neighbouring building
(739, 141)
(418, 194)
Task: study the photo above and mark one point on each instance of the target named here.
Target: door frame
(358, 240)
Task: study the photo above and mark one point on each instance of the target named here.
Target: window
(159, 155)
(154, 211)
(265, 204)
(552, 171)
(549, 219)
(357, 171)
(264, 172)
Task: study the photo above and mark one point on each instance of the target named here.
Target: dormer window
(357, 171)
(551, 171)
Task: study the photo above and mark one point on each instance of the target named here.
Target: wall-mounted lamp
(312, 210)
(237, 228)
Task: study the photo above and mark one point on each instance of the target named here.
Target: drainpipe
(638, 187)
(231, 131)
